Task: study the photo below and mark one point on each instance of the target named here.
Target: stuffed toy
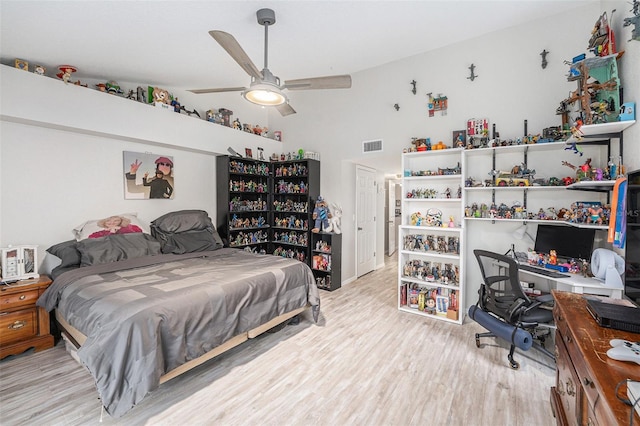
(321, 215)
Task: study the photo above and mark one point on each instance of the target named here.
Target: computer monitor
(632, 246)
(569, 242)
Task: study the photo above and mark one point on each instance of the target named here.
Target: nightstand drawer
(18, 299)
(17, 326)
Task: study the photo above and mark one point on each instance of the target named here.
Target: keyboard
(542, 271)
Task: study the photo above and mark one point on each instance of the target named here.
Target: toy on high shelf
(603, 40)
(635, 20)
(518, 176)
(456, 170)
(587, 172)
(477, 133)
(65, 72)
(422, 144)
(597, 95)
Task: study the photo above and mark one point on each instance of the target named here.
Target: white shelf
(433, 160)
(437, 200)
(436, 152)
(434, 254)
(417, 312)
(602, 185)
(591, 131)
(548, 146)
(432, 228)
(433, 177)
(547, 222)
(72, 108)
(514, 188)
(433, 284)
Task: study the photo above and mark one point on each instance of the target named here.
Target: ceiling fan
(265, 88)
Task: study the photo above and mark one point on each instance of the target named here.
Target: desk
(576, 283)
(586, 378)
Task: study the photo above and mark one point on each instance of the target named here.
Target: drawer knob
(587, 381)
(17, 325)
(22, 297)
(571, 390)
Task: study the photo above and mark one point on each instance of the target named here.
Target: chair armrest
(545, 298)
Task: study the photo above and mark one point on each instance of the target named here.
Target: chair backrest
(501, 288)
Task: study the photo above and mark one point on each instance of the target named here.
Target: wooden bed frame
(76, 338)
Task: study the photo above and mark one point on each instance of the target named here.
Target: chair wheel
(513, 363)
(477, 341)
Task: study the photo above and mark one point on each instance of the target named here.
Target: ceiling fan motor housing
(266, 17)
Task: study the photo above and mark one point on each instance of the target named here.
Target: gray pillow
(67, 252)
(112, 248)
(186, 231)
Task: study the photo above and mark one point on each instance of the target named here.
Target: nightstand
(23, 325)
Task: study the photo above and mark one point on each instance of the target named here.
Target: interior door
(391, 218)
(365, 220)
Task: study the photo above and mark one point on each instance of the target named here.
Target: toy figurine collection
(158, 97)
(432, 243)
(584, 212)
(523, 176)
(432, 218)
(572, 266)
(425, 270)
(240, 223)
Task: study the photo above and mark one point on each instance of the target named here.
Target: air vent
(372, 146)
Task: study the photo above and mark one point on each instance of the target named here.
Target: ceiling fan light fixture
(265, 91)
(264, 94)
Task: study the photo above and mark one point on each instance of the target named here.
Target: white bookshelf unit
(431, 238)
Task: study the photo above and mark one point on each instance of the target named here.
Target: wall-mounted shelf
(602, 130)
(550, 146)
(592, 185)
(77, 109)
(515, 188)
(547, 222)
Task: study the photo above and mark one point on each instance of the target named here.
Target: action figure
(321, 215)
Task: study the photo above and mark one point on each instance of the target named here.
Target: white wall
(511, 86)
(54, 180)
(61, 158)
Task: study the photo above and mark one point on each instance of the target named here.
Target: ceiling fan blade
(329, 82)
(285, 109)
(233, 48)
(224, 89)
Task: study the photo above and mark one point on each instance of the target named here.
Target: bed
(140, 320)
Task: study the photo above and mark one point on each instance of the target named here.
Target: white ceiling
(166, 43)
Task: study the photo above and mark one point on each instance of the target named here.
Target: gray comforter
(144, 317)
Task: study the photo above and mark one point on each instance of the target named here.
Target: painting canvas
(148, 176)
(459, 138)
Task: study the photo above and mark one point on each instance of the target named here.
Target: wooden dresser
(586, 377)
(23, 325)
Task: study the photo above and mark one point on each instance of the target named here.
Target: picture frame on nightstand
(19, 263)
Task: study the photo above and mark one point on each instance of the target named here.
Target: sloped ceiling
(167, 42)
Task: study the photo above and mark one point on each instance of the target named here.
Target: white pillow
(125, 223)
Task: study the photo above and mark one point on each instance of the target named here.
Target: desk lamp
(518, 234)
(521, 232)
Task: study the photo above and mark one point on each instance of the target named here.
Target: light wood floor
(365, 363)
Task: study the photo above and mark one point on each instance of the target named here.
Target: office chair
(506, 311)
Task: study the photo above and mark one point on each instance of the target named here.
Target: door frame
(366, 169)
